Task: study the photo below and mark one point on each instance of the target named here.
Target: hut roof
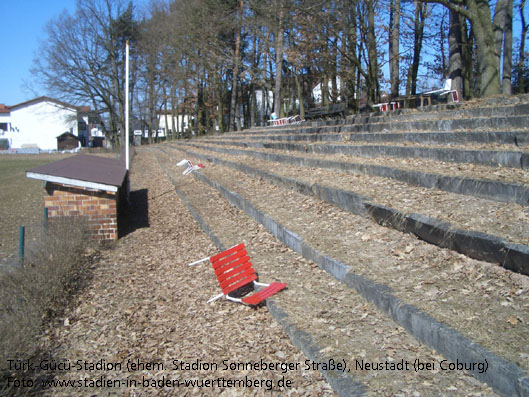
(83, 170)
(67, 134)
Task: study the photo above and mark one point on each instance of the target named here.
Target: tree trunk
(198, 100)
(151, 98)
(442, 38)
(394, 52)
(166, 113)
(264, 101)
(221, 95)
(372, 83)
(467, 56)
(350, 47)
(333, 70)
(455, 67)
(236, 60)
(325, 91)
(174, 113)
(239, 113)
(279, 60)
(478, 13)
(488, 62)
(418, 33)
(506, 86)
(521, 60)
(502, 26)
(299, 91)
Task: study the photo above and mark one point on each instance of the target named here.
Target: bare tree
(82, 58)
(155, 59)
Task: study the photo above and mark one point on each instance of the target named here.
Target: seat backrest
(233, 268)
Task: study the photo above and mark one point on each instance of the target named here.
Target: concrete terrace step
(509, 187)
(379, 265)
(451, 112)
(451, 117)
(398, 125)
(494, 158)
(442, 219)
(516, 138)
(500, 122)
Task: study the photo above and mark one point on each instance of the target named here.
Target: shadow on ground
(135, 215)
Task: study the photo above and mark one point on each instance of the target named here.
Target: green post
(22, 233)
(45, 219)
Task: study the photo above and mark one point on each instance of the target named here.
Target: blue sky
(21, 29)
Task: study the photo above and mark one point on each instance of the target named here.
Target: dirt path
(145, 306)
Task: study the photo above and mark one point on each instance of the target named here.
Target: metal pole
(21, 235)
(45, 219)
(127, 106)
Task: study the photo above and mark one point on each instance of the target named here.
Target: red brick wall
(98, 207)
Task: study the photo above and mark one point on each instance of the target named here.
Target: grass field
(21, 198)
(32, 295)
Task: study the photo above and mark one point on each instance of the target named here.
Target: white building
(37, 123)
(318, 94)
(181, 122)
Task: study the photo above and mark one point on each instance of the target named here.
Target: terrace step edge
(477, 245)
(489, 189)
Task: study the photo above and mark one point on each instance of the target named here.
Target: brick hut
(91, 187)
(67, 141)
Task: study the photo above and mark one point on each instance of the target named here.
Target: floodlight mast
(127, 105)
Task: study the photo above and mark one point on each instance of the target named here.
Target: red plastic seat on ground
(234, 270)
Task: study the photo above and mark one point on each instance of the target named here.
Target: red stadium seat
(234, 271)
